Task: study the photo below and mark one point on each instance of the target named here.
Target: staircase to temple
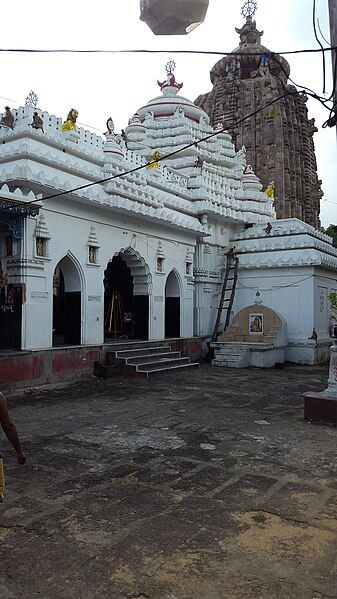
(142, 360)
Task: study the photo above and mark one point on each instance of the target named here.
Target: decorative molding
(92, 239)
(41, 229)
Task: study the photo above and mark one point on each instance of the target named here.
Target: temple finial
(249, 9)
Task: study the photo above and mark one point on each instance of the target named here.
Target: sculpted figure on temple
(268, 228)
(180, 111)
(270, 190)
(37, 122)
(135, 119)
(199, 163)
(154, 160)
(70, 123)
(312, 127)
(8, 118)
(240, 161)
(110, 125)
(263, 70)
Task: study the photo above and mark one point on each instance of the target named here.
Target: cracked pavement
(204, 485)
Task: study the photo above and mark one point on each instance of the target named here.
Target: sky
(116, 85)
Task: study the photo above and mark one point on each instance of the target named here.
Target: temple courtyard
(199, 485)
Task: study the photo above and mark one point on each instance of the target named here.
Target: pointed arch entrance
(11, 295)
(172, 305)
(67, 303)
(127, 283)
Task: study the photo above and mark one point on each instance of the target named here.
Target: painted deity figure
(70, 123)
(256, 324)
(8, 118)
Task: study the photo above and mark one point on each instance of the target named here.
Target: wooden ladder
(226, 303)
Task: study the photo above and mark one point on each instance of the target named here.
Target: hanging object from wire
(173, 17)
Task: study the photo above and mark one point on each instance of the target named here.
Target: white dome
(166, 105)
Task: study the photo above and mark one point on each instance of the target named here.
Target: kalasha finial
(32, 99)
(170, 80)
(249, 9)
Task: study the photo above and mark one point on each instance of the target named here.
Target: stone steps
(142, 360)
(148, 358)
(232, 358)
(126, 354)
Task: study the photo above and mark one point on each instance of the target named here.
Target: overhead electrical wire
(319, 42)
(168, 51)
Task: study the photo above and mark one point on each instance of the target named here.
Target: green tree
(332, 232)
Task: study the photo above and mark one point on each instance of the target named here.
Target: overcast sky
(116, 85)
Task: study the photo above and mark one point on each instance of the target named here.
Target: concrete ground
(204, 485)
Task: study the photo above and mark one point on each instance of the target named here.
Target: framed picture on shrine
(255, 324)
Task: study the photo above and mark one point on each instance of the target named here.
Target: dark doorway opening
(125, 315)
(10, 316)
(11, 295)
(66, 304)
(172, 306)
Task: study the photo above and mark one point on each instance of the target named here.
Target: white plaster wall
(325, 282)
(288, 291)
(69, 227)
(299, 295)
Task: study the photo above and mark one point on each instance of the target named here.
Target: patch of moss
(259, 518)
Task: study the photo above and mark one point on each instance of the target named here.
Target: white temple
(143, 254)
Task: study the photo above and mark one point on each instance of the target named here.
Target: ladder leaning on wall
(228, 287)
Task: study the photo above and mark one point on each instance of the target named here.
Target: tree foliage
(332, 232)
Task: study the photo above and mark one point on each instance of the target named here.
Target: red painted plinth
(320, 408)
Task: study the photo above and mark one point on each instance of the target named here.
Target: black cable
(321, 32)
(319, 42)
(308, 90)
(144, 51)
(160, 159)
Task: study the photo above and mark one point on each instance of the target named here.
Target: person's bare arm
(10, 430)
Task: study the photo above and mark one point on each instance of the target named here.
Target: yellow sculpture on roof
(70, 123)
(154, 160)
(270, 190)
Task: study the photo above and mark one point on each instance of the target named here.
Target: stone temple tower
(279, 139)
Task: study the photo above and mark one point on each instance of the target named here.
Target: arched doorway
(67, 306)
(172, 306)
(126, 297)
(10, 294)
